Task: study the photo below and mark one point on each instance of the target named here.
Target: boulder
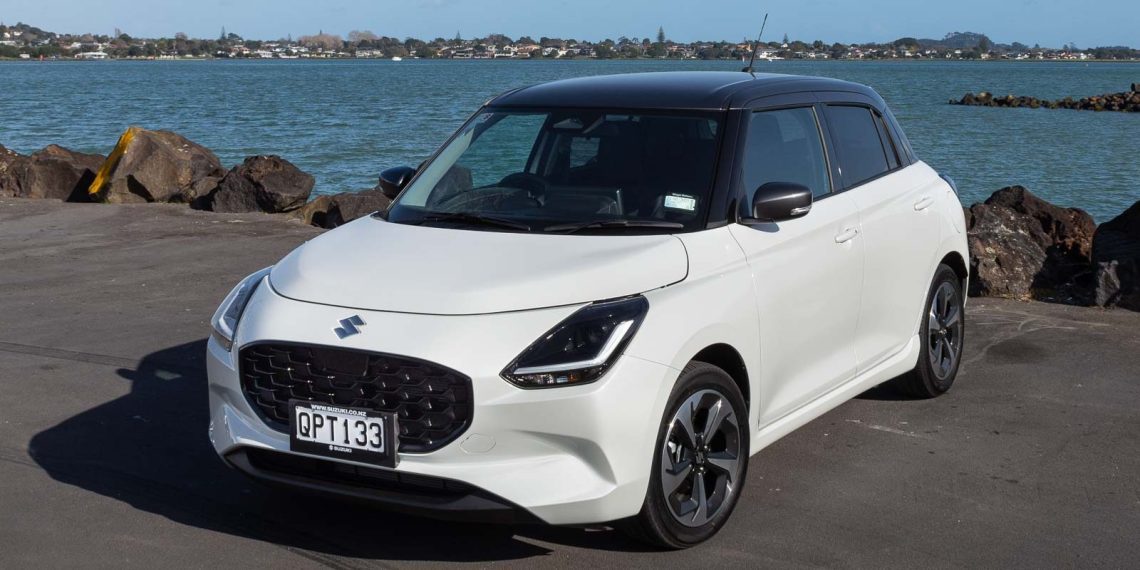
(155, 166)
(262, 184)
(1070, 230)
(56, 172)
(1024, 247)
(338, 209)
(1116, 251)
(12, 165)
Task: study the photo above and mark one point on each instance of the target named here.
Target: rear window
(860, 150)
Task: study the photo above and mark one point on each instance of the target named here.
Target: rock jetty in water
(1127, 102)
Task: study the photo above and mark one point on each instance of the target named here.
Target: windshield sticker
(681, 202)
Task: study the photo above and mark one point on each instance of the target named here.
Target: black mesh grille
(433, 403)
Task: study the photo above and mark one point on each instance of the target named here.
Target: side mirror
(393, 180)
(779, 201)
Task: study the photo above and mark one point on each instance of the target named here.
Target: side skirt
(902, 362)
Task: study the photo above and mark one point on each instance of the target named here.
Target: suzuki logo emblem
(349, 326)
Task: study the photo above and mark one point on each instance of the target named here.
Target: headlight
(581, 348)
(226, 318)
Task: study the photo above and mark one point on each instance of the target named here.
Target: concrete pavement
(1033, 459)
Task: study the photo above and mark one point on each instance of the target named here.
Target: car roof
(668, 90)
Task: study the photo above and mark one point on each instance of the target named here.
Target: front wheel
(700, 462)
(943, 334)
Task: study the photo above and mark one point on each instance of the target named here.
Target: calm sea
(344, 121)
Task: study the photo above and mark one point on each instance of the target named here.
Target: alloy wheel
(944, 330)
(701, 460)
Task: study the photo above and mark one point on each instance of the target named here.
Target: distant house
(91, 55)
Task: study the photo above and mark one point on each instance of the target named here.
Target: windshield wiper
(613, 224)
(469, 217)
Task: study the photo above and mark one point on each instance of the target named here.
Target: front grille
(433, 403)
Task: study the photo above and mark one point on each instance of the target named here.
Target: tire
(943, 332)
(719, 463)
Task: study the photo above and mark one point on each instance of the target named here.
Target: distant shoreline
(759, 65)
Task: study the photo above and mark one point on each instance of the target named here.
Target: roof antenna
(756, 47)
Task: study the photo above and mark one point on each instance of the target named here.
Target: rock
(1024, 247)
(56, 172)
(1116, 250)
(12, 165)
(1124, 102)
(1069, 229)
(262, 184)
(338, 209)
(155, 166)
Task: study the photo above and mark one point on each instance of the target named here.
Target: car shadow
(884, 393)
(150, 449)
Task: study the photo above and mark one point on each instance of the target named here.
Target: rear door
(900, 229)
(807, 272)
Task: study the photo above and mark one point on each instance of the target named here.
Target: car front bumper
(566, 455)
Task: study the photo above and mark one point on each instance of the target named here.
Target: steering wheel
(534, 184)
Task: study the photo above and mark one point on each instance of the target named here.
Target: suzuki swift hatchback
(596, 301)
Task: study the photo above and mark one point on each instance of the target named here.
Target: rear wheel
(943, 333)
(700, 461)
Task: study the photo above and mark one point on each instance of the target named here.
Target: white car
(596, 301)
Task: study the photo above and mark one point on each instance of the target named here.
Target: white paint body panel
(380, 266)
(792, 302)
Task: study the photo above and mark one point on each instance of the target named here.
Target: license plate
(343, 433)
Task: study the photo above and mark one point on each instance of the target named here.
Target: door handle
(847, 235)
(923, 203)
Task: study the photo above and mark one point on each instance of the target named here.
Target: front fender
(715, 304)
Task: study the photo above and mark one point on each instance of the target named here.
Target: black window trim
(888, 141)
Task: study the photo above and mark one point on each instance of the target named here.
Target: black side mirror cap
(779, 201)
(393, 180)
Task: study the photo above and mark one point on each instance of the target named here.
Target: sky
(1051, 23)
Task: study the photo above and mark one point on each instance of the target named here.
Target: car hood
(382, 266)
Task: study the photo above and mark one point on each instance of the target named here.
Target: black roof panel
(668, 90)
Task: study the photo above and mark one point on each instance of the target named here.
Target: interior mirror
(394, 179)
(779, 201)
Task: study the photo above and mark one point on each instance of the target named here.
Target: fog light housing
(581, 348)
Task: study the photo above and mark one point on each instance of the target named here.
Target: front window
(570, 170)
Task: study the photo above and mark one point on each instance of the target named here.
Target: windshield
(568, 171)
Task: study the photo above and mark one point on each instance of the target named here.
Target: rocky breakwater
(1116, 255)
(53, 172)
(1125, 101)
(1024, 247)
(162, 166)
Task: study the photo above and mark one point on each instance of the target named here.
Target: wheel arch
(727, 358)
(955, 261)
